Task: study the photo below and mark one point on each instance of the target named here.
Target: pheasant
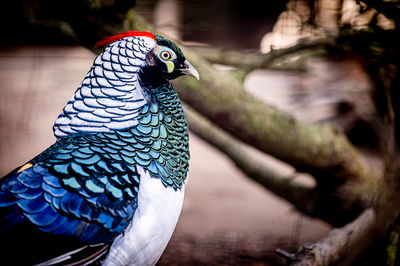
(110, 189)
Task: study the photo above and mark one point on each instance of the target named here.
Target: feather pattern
(110, 95)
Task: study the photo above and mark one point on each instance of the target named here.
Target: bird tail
(86, 255)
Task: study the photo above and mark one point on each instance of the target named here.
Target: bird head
(164, 62)
(168, 60)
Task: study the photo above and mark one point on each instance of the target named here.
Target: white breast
(146, 237)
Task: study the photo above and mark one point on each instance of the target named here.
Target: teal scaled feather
(166, 140)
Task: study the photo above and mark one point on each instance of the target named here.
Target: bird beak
(190, 70)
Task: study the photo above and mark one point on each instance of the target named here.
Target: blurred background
(227, 218)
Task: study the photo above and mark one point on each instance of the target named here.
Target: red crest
(122, 35)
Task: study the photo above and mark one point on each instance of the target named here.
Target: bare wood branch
(340, 246)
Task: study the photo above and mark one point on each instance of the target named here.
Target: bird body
(111, 188)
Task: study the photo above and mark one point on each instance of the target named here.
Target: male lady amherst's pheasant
(110, 190)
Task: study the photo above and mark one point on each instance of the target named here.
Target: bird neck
(151, 77)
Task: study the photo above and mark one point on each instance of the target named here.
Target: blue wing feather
(42, 218)
(49, 197)
(59, 222)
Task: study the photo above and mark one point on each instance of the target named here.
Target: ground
(226, 219)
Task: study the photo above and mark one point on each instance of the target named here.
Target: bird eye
(166, 55)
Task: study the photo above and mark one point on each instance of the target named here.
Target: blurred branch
(240, 59)
(340, 246)
(291, 58)
(303, 197)
(389, 9)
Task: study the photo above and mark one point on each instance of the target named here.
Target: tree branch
(276, 59)
(340, 246)
(301, 196)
